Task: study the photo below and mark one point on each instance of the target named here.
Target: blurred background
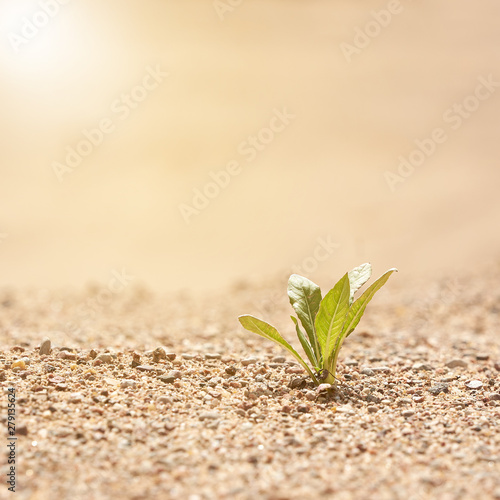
(195, 144)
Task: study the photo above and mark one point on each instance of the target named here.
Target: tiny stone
(231, 370)
(474, 384)
(209, 415)
(303, 409)
(324, 387)
(495, 396)
(422, 366)
(404, 401)
(294, 369)
(436, 389)
(383, 369)
(22, 430)
(187, 357)
(136, 360)
(45, 346)
(67, 355)
(163, 400)
(279, 359)
(368, 372)
(93, 354)
(248, 361)
(128, 383)
(171, 356)
(146, 368)
(482, 357)
(418, 399)
(75, 397)
(456, 363)
(19, 364)
(347, 409)
(297, 383)
(105, 358)
(350, 362)
(170, 377)
(159, 354)
(407, 413)
(372, 409)
(212, 356)
(310, 395)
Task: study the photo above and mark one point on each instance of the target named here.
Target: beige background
(322, 177)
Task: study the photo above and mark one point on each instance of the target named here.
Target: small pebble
(70, 356)
(494, 397)
(164, 400)
(295, 370)
(368, 372)
(279, 359)
(45, 346)
(19, 364)
(209, 415)
(75, 397)
(422, 367)
(187, 357)
(231, 370)
(372, 409)
(168, 379)
(350, 362)
(456, 363)
(159, 354)
(22, 430)
(136, 360)
(146, 368)
(248, 361)
(105, 358)
(213, 356)
(382, 369)
(171, 376)
(482, 357)
(474, 384)
(324, 387)
(438, 388)
(128, 383)
(407, 413)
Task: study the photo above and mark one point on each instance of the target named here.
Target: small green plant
(327, 321)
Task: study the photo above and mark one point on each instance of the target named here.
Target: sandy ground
(415, 415)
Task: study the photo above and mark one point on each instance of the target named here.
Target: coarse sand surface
(143, 395)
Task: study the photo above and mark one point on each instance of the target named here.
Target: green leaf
(305, 343)
(358, 277)
(359, 306)
(268, 331)
(331, 316)
(305, 297)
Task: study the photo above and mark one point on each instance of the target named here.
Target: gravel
(456, 363)
(45, 346)
(205, 426)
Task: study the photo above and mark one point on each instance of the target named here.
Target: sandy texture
(211, 415)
